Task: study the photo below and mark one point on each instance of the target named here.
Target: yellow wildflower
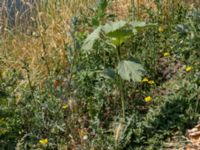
(65, 106)
(165, 54)
(43, 141)
(151, 82)
(188, 69)
(148, 99)
(161, 29)
(145, 79)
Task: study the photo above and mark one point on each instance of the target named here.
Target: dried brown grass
(44, 48)
(122, 8)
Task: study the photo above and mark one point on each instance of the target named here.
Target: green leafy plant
(98, 99)
(115, 34)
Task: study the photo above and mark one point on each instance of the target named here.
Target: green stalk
(122, 97)
(121, 86)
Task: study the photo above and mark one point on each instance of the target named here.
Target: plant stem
(122, 98)
(121, 86)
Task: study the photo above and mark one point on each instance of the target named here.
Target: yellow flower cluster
(65, 106)
(148, 99)
(188, 69)
(166, 54)
(148, 81)
(43, 141)
(145, 80)
(151, 82)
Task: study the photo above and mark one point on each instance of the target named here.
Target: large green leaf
(130, 70)
(91, 39)
(120, 31)
(107, 28)
(113, 26)
(117, 32)
(120, 36)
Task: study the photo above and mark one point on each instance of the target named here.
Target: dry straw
(42, 47)
(45, 24)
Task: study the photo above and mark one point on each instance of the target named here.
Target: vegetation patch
(81, 76)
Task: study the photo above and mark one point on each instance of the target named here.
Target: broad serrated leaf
(130, 70)
(116, 31)
(113, 26)
(120, 33)
(120, 36)
(91, 39)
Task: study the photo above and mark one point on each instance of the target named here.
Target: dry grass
(122, 8)
(44, 48)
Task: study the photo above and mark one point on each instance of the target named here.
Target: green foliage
(115, 34)
(98, 101)
(129, 70)
(118, 31)
(175, 112)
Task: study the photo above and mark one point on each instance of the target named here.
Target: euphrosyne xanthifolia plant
(115, 34)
